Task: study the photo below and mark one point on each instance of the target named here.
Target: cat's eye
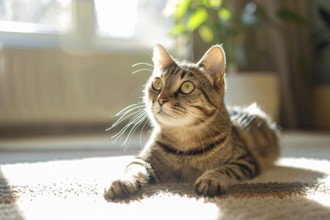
(157, 84)
(187, 87)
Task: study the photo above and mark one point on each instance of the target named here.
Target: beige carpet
(294, 189)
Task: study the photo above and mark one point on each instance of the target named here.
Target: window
(36, 16)
(143, 18)
(84, 23)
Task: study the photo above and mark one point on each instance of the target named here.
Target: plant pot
(261, 88)
(321, 107)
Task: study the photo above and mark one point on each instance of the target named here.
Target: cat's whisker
(142, 63)
(119, 121)
(124, 117)
(140, 104)
(126, 114)
(136, 125)
(138, 114)
(143, 121)
(137, 117)
(137, 122)
(119, 135)
(140, 70)
(141, 132)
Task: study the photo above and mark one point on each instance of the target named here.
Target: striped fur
(195, 137)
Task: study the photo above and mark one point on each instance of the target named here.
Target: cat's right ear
(161, 58)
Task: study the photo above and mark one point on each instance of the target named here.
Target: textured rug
(294, 189)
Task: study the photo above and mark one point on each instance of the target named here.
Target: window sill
(76, 43)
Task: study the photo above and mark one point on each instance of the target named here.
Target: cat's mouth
(170, 110)
(160, 111)
(165, 112)
(171, 116)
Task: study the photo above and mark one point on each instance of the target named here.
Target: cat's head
(185, 94)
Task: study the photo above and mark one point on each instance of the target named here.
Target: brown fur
(195, 137)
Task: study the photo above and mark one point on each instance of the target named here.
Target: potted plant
(220, 21)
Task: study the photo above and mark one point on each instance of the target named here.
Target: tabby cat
(195, 138)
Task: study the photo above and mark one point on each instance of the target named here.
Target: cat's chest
(184, 167)
(171, 164)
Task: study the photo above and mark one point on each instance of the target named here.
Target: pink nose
(162, 101)
(164, 96)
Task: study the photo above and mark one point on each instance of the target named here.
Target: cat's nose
(162, 101)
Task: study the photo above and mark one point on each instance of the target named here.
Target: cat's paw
(121, 189)
(209, 186)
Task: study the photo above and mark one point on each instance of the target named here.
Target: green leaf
(206, 33)
(224, 14)
(291, 16)
(181, 8)
(177, 30)
(215, 3)
(196, 19)
(212, 3)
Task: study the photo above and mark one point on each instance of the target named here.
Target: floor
(294, 144)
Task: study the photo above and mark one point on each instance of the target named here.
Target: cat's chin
(165, 120)
(168, 117)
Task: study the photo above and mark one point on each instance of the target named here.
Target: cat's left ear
(161, 58)
(214, 62)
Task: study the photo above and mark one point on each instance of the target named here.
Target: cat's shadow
(267, 193)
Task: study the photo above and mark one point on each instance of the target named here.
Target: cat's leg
(137, 174)
(217, 181)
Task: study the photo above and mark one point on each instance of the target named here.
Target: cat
(195, 137)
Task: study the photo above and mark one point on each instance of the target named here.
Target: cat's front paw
(209, 186)
(121, 189)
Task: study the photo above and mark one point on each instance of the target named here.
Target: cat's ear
(213, 62)
(161, 57)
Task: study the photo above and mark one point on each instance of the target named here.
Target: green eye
(187, 87)
(157, 84)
